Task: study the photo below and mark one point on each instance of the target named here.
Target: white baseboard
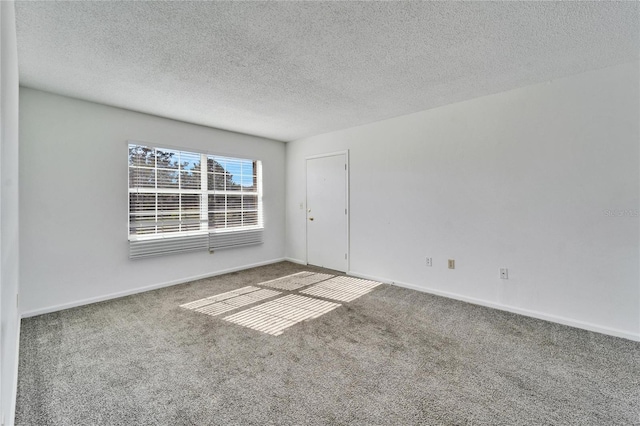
(116, 295)
(526, 312)
(293, 260)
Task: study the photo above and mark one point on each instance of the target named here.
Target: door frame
(347, 203)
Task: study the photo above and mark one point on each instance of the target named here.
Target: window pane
(167, 158)
(139, 224)
(249, 202)
(191, 221)
(189, 161)
(248, 168)
(169, 222)
(232, 183)
(142, 156)
(249, 183)
(168, 203)
(217, 202)
(219, 181)
(233, 174)
(234, 202)
(167, 178)
(190, 203)
(189, 180)
(250, 218)
(215, 165)
(142, 203)
(217, 220)
(142, 178)
(234, 219)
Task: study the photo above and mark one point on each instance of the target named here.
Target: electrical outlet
(504, 273)
(429, 261)
(452, 264)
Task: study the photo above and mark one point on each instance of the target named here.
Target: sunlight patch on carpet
(225, 302)
(277, 315)
(343, 289)
(219, 297)
(296, 281)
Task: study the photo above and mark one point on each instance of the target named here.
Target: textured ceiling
(286, 70)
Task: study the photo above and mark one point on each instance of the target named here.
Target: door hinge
(345, 167)
(345, 256)
(345, 211)
(18, 300)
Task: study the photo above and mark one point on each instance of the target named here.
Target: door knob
(310, 218)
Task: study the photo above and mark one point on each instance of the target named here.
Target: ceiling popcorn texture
(287, 70)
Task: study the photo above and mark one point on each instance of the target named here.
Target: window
(194, 197)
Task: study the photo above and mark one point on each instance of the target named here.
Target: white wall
(73, 201)
(521, 179)
(9, 269)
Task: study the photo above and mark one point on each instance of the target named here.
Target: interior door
(327, 211)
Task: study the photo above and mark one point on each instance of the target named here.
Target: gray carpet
(392, 357)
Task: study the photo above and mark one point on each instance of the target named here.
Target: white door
(327, 214)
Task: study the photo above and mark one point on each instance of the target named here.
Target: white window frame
(211, 238)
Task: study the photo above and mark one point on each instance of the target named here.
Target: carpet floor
(391, 357)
